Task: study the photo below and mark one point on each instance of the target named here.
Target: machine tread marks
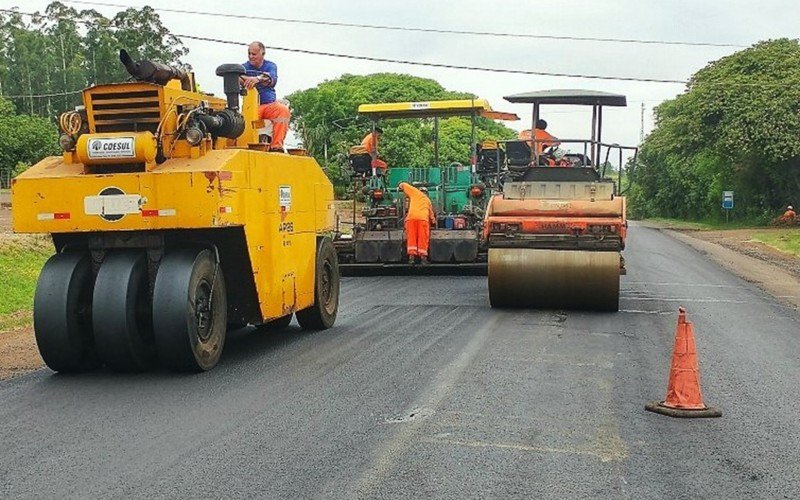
(121, 312)
(190, 316)
(322, 314)
(62, 321)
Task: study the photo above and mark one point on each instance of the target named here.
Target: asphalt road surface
(421, 390)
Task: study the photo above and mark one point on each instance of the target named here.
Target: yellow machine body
(281, 202)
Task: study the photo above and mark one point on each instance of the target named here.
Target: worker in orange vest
(419, 219)
(789, 214)
(540, 134)
(370, 143)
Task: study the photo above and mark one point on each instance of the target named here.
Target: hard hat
(790, 207)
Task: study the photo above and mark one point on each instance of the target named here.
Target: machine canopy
(569, 97)
(432, 109)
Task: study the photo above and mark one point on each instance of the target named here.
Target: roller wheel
(322, 314)
(62, 319)
(554, 279)
(121, 312)
(191, 317)
(276, 324)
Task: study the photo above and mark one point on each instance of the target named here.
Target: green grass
(21, 260)
(785, 240)
(701, 225)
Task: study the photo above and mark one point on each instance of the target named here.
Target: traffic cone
(683, 391)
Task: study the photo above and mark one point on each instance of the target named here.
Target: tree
(26, 139)
(326, 118)
(736, 128)
(52, 57)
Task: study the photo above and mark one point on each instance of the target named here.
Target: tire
(276, 324)
(62, 313)
(191, 318)
(322, 314)
(121, 312)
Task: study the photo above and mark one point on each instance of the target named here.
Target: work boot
(411, 261)
(424, 261)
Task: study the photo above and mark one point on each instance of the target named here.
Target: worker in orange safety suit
(540, 134)
(262, 75)
(789, 214)
(419, 218)
(370, 143)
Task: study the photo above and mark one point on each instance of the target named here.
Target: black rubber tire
(276, 324)
(322, 314)
(121, 312)
(62, 313)
(190, 321)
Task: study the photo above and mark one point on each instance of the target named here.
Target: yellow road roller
(171, 222)
(556, 231)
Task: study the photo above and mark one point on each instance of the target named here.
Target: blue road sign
(727, 200)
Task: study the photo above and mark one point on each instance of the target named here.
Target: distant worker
(789, 214)
(419, 219)
(263, 76)
(370, 143)
(540, 134)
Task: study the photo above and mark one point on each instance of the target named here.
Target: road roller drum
(554, 279)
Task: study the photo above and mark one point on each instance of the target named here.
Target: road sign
(727, 200)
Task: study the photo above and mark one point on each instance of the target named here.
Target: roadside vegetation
(735, 128)
(702, 225)
(48, 59)
(785, 240)
(21, 260)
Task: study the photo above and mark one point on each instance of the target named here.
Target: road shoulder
(772, 273)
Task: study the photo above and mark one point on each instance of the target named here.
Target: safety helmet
(790, 207)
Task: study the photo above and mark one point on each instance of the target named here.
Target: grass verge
(701, 225)
(21, 260)
(786, 240)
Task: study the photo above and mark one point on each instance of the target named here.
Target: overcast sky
(736, 22)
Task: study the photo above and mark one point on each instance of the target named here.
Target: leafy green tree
(326, 118)
(737, 128)
(26, 139)
(50, 57)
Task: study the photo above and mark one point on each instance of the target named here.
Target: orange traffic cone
(683, 391)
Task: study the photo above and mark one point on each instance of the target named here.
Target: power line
(420, 30)
(404, 61)
(55, 94)
(442, 65)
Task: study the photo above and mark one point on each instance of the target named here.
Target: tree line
(735, 128)
(46, 60)
(326, 119)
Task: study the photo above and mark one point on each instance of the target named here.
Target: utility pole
(641, 129)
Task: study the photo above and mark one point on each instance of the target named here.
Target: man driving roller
(263, 76)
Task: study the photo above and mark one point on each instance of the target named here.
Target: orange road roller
(556, 232)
